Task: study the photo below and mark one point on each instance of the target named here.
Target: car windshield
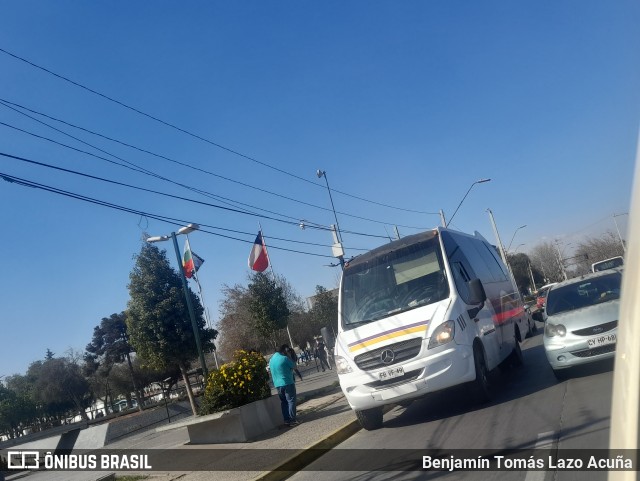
(584, 293)
(393, 282)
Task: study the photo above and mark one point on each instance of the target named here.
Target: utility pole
(564, 273)
(495, 231)
(533, 281)
(624, 249)
(442, 219)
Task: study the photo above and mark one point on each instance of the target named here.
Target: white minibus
(421, 314)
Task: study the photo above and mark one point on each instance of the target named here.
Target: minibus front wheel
(480, 387)
(370, 419)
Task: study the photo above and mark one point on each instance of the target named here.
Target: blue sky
(404, 104)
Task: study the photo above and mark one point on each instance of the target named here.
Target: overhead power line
(196, 136)
(170, 220)
(138, 168)
(186, 199)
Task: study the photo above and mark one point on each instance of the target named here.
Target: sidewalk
(325, 417)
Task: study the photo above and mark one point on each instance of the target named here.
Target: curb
(301, 460)
(298, 461)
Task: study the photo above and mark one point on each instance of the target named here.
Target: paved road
(530, 409)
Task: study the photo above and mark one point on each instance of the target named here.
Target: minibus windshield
(393, 282)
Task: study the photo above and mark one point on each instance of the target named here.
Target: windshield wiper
(351, 325)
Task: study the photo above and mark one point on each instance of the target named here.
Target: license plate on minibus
(391, 373)
(602, 340)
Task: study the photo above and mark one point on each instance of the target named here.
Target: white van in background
(607, 264)
(421, 314)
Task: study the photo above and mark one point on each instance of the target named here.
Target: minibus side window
(461, 279)
(462, 272)
(497, 267)
(479, 264)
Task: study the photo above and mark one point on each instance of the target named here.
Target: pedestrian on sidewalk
(281, 367)
(294, 357)
(321, 354)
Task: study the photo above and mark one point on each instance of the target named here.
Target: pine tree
(158, 318)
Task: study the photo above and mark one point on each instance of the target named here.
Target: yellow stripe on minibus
(362, 345)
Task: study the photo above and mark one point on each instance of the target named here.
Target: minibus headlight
(443, 334)
(552, 330)
(342, 365)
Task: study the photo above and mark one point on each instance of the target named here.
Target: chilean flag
(258, 258)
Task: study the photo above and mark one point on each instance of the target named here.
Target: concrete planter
(237, 425)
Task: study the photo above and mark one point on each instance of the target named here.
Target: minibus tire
(480, 388)
(530, 329)
(370, 419)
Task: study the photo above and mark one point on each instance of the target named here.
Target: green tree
(520, 264)
(16, 411)
(60, 381)
(267, 305)
(325, 307)
(109, 346)
(236, 323)
(158, 318)
(323, 313)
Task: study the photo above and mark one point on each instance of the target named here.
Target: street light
(337, 247)
(481, 181)
(514, 236)
(185, 230)
(518, 247)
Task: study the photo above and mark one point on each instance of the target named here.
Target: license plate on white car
(391, 373)
(601, 340)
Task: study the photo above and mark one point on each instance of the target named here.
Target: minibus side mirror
(476, 292)
(476, 296)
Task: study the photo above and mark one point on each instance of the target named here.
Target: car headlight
(342, 365)
(443, 334)
(551, 330)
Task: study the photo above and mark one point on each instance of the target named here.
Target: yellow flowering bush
(241, 381)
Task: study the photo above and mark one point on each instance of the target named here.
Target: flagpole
(206, 310)
(274, 279)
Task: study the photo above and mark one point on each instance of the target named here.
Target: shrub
(239, 382)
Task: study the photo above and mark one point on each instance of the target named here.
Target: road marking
(545, 441)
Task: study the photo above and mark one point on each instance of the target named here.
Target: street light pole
(338, 247)
(514, 236)
(481, 181)
(192, 315)
(194, 324)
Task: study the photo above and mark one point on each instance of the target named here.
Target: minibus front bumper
(441, 368)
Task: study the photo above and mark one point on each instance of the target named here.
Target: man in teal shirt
(282, 373)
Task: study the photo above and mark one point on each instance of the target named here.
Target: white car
(582, 320)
